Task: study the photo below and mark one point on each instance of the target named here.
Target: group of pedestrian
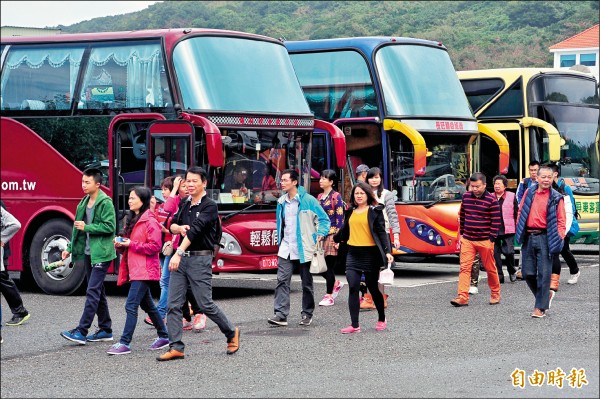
(541, 217)
(174, 243)
(303, 221)
(194, 227)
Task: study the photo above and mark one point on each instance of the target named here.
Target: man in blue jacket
(301, 223)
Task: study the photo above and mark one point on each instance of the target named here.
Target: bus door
(363, 142)
(171, 152)
(493, 154)
(128, 153)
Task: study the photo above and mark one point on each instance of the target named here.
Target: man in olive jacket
(92, 243)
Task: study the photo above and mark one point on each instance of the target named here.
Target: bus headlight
(229, 245)
(431, 235)
(438, 239)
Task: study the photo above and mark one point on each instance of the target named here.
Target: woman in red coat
(140, 244)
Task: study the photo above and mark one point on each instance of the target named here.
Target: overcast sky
(41, 14)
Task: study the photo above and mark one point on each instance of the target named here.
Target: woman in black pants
(368, 250)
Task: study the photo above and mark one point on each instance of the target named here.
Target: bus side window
(125, 75)
(40, 77)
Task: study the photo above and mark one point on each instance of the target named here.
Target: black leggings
(371, 278)
(329, 275)
(568, 257)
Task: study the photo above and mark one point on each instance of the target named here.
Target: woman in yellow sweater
(368, 250)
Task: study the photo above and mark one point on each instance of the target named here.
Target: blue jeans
(536, 266)
(95, 298)
(140, 296)
(285, 269)
(195, 272)
(164, 287)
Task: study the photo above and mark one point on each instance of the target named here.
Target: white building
(581, 49)
(6, 31)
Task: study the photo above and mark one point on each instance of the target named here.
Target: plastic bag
(386, 276)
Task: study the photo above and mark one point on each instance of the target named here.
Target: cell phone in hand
(120, 239)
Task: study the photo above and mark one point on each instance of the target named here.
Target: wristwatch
(180, 252)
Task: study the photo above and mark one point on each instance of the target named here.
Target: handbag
(167, 249)
(318, 265)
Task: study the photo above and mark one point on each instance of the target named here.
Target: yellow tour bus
(548, 115)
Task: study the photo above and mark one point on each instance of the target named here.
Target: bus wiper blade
(226, 217)
(432, 203)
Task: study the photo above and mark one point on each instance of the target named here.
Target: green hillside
(478, 34)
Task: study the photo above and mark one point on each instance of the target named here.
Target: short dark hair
(329, 174)
(552, 166)
(503, 178)
(293, 174)
(371, 200)
(167, 182)
(95, 173)
(477, 176)
(197, 170)
(534, 163)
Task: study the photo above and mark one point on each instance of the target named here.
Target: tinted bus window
(509, 104)
(564, 90)
(40, 78)
(420, 80)
(336, 84)
(229, 74)
(479, 92)
(130, 75)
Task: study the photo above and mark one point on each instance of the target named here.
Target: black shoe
(17, 320)
(278, 321)
(513, 277)
(501, 278)
(306, 320)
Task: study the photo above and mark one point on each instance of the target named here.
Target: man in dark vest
(540, 230)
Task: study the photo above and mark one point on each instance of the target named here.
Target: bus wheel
(46, 247)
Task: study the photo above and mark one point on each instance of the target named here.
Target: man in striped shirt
(479, 220)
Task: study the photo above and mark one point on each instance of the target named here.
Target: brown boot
(554, 281)
(367, 302)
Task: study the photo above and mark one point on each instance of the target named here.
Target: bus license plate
(268, 262)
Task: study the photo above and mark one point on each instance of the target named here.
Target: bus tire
(46, 246)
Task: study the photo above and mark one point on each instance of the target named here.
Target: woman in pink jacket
(140, 244)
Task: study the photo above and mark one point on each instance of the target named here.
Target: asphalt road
(430, 348)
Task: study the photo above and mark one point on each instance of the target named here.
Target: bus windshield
(420, 81)
(233, 74)
(447, 168)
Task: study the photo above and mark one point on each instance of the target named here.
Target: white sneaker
(574, 278)
(337, 288)
(473, 290)
(327, 300)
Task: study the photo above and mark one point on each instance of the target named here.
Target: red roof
(586, 39)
